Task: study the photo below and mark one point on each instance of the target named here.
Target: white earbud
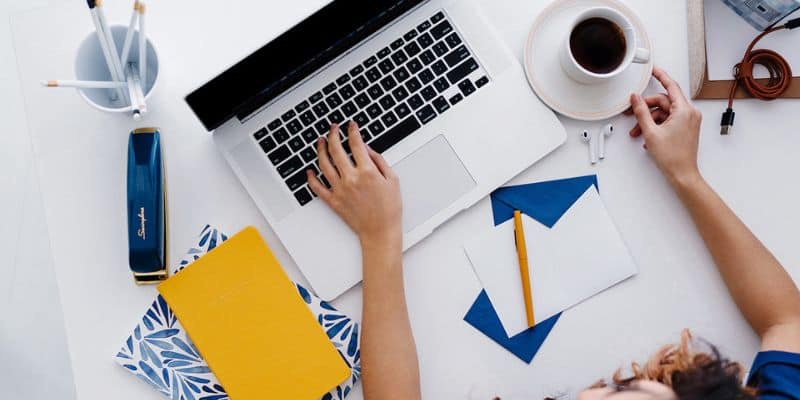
(607, 131)
(587, 137)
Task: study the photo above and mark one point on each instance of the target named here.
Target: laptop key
(460, 72)
(453, 40)
(395, 135)
(302, 106)
(415, 101)
(296, 143)
(426, 114)
(437, 17)
(414, 66)
(426, 76)
(440, 49)
(260, 134)
(387, 102)
(374, 111)
(294, 127)
(268, 144)
(361, 119)
(309, 135)
(439, 67)
(347, 91)
(290, 166)
(307, 118)
(309, 153)
(315, 97)
(424, 40)
(376, 128)
(360, 83)
(399, 57)
(441, 104)
(297, 180)
(412, 49)
(322, 126)
(397, 44)
(386, 66)
(401, 74)
(375, 91)
(388, 83)
(456, 98)
(423, 26)
(467, 88)
(288, 115)
(342, 79)
(389, 118)
(362, 100)
(413, 84)
(456, 56)
(373, 74)
(428, 93)
(384, 52)
(279, 155)
(329, 88)
(281, 135)
(365, 136)
(336, 117)
(442, 29)
(410, 35)
(482, 81)
(427, 57)
(402, 110)
(274, 124)
(400, 93)
(441, 84)
(333, 101)
(370, 61)
(303, 196)
(349, 108)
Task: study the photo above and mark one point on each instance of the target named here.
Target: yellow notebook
(248, 322)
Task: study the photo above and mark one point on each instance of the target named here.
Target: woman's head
(677, 372)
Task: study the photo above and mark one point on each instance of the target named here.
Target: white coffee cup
(633, 53)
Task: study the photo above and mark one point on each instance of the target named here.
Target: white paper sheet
(581, 256)
(727, 38)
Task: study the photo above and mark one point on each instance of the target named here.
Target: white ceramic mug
(633, 53)
(90, 65)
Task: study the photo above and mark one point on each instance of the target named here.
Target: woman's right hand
(671, 129)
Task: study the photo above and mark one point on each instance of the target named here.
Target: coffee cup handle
(641, 56)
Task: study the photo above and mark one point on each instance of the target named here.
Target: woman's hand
(366, 195)
(671, 129)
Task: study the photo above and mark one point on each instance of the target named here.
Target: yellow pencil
(522, 254)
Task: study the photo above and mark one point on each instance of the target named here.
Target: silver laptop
(432, 87)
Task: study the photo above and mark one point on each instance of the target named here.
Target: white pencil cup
(90, 65)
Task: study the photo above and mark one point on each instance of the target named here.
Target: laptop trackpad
(431, 178)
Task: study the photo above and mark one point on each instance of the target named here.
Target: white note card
(582, 255)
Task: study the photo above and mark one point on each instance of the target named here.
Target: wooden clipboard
(701, 86)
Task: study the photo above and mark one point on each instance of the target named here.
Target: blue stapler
(147, 208)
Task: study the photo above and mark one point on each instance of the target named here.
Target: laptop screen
(292, 56)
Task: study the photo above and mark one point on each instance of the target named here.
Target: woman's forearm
(762, 289)
(388, 354)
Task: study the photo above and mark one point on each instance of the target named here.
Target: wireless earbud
(587, 137)
(607, 131)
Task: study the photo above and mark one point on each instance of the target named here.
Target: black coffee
(598, 45)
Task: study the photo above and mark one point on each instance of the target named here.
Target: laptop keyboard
(391, 94)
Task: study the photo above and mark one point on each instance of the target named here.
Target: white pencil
(84, 84)
(126, 46)
(142, 47)
(135, 93)
(112, 45)
(118, 94)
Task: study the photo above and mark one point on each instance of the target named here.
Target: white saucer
(559, 91)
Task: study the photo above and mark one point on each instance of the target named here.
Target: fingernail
(634, 98)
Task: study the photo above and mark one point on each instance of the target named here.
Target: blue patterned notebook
(160, 353)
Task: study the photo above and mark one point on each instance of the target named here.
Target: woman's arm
(366, 195)
(761, 288)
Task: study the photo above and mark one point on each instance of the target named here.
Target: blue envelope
(545, 202)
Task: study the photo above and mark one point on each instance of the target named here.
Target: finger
(673, 90)
(336, 150)
(357, 146)
(628, 111)
(659, 116)
(380, 162)
(325, 164)
(636, 131)
(660, 100)
(642, 113)
(317, 187)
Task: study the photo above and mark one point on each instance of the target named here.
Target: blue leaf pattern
(159, 343)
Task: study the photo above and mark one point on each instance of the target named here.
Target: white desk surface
(677, 285)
